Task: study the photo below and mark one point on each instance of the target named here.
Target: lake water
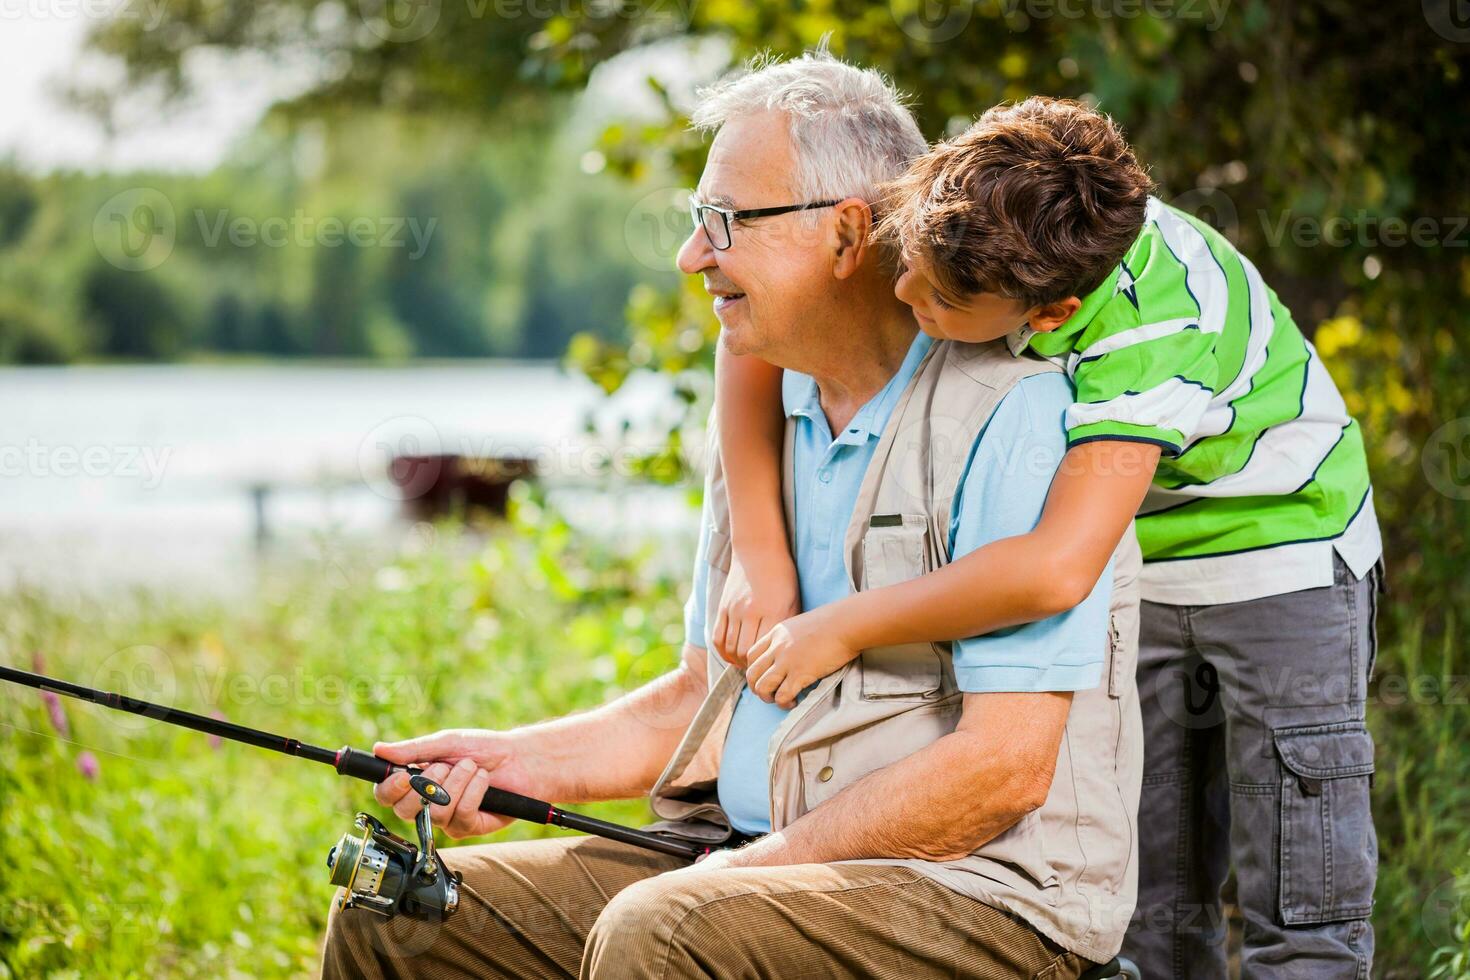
(144, 474)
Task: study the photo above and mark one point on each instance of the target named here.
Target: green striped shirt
(1263, 472)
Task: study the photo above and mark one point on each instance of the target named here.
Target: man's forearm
(618, 750)
(938, 804)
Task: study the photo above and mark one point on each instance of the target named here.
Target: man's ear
(1049, 316)
(851, 230)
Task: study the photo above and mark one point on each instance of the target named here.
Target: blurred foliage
(370, 235)
(1312, 134)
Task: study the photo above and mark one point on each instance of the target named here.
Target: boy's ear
(852, 229)
(1049, 316)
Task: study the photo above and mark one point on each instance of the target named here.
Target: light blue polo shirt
(1001, 495)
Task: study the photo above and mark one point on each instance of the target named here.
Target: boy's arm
(761, 590)
(1024, 578)
(1021, 579)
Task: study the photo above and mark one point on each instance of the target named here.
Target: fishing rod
(377, 869)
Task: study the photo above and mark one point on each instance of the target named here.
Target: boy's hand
(793, 654)
(752, 602)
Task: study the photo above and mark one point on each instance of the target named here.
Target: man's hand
(713, 861)
(466, 762)
(754, 600)
(793, 654)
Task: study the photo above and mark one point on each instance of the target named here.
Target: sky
(40, 52)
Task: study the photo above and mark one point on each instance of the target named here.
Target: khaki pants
(589, 907)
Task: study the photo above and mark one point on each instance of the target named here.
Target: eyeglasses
(716, 220)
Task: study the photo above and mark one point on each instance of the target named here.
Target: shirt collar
(1064, 338)
(800, 397)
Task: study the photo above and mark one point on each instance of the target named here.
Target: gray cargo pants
(1256, 756)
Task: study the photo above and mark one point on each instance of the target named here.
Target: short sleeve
(1146, 367)
(1002, 495)
(1126, 395)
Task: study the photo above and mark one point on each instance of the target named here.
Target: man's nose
(696, 254)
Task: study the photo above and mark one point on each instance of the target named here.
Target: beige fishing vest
(1069, 868)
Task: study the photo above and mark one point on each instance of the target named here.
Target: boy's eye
(940, 301)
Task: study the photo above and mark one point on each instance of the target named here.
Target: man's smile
(725, 296)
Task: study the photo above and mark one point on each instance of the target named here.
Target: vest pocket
(1328, 850)
(896, 549)
(832, 765)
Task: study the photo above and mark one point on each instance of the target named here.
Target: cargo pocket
(896, 549)
(1328, 851)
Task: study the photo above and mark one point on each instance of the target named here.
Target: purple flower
(88, 765)
(56, 713)
(214, 740)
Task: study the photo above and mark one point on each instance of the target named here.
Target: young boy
(1202, 410)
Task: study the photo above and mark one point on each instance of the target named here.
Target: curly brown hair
(1037, 201)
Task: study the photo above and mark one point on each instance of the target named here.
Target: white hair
(851, 129)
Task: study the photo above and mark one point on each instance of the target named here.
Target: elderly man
(926, 810)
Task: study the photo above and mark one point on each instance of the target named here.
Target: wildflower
(54, 711)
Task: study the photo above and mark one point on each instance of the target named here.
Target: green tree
(132, 313)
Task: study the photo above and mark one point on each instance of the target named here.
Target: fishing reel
(384, 873)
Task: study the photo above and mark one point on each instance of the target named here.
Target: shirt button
(825, 774)
(824, 475)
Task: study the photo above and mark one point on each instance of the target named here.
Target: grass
(180, 858)
(185, 859)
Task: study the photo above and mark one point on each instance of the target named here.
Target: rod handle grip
(509, 804)
(362, 765)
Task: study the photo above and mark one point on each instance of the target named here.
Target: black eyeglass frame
(697, 211)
